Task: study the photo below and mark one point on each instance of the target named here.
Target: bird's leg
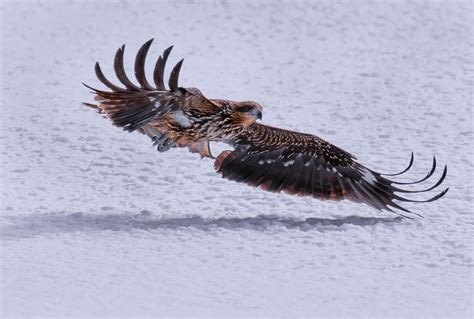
(160, 139)
(162, 142)
(201, 147)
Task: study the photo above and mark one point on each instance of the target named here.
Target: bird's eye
(245, 108)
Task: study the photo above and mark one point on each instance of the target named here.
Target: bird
(262, 156)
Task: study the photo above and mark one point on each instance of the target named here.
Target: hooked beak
(257, 114)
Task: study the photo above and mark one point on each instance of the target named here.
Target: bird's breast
(181, 118)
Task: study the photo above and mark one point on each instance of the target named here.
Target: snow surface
(95, 222)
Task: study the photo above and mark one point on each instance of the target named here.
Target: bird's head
(245, 113)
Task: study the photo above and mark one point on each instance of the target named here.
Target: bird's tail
(133, 106)
(130, 111)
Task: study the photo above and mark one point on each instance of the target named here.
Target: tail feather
(131, 107)
(130, 113)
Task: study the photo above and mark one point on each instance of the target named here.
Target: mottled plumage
(270, 158)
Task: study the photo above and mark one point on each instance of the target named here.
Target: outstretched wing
(296, 163)
(133, 106)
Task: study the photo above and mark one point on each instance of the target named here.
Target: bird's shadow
(62, 222)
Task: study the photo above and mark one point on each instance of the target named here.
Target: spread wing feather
(296, 163)
(133, 106)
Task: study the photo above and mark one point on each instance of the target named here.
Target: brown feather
(326, 172)
(270, 158)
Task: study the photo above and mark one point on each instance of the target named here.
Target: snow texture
(96, 223)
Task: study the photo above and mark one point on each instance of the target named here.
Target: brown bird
(263, 156)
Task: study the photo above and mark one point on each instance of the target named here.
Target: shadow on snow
(32, 225)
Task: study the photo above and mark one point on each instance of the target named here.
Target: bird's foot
(162, 142)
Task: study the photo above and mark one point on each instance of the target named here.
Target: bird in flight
(263, 156)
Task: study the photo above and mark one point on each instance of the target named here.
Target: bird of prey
(271, 158)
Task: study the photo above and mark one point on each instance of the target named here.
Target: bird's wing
(133, 106)
(296, 163)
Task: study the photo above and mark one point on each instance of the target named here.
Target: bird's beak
(257, 114)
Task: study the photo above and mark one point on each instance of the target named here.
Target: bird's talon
(164, 144)
(157, 137)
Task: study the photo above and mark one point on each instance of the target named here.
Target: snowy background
(94, 222)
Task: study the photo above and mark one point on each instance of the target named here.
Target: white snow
(96, 223)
